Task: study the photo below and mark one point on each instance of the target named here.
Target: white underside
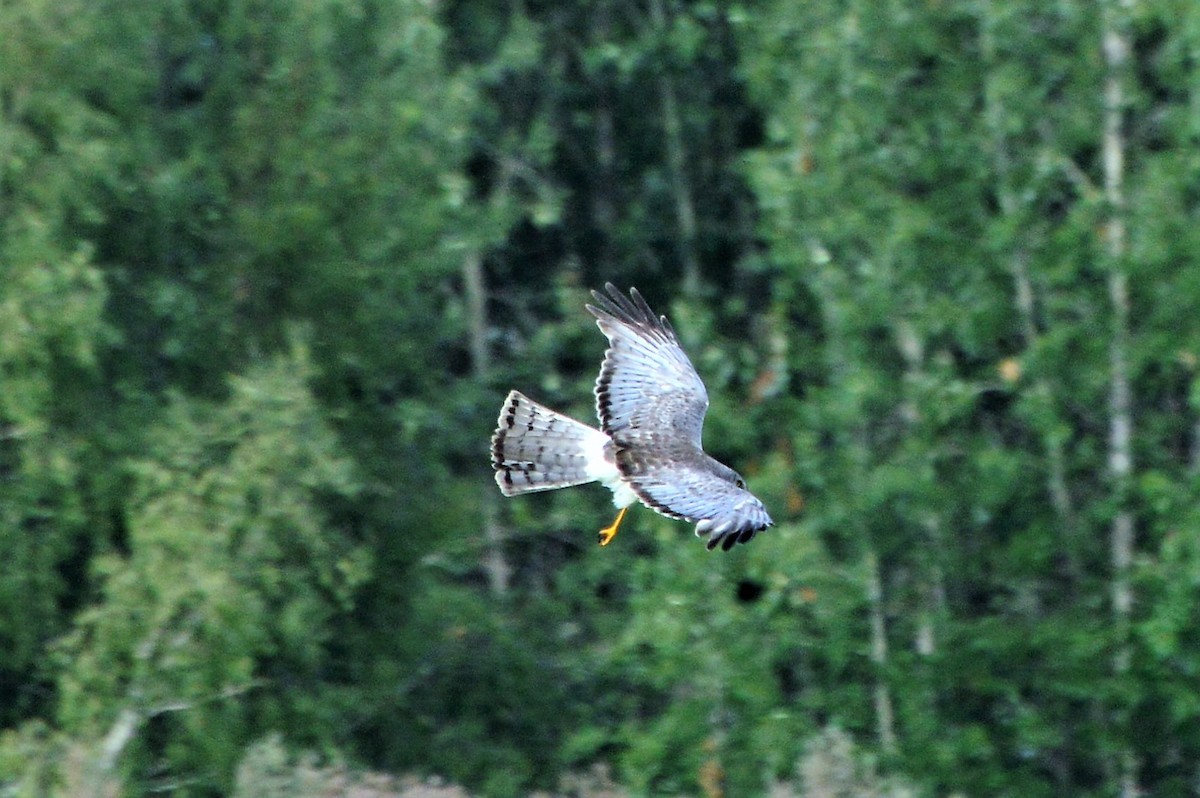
(604, 470)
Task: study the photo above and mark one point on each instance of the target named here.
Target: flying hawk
(651, 405)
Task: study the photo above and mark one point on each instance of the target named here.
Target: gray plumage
(651, 404)
(535, 448)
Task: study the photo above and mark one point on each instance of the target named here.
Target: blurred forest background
(269, 267)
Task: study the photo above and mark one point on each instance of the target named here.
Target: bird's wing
(723, 512)
(651, 402)
(648, 392)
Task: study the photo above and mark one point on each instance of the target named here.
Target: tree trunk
(858, 451)
(685, 207)
(1120, 456)
(494, 562)
(1023, 291)
(604, 211)
(884, 714)
(931, 582)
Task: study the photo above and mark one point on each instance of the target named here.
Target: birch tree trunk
(604, 212)
(884, 713)
(857, 449)
(685, 206)
(931, 582)
(1120, 457)
(494, 562)
(1024, 296)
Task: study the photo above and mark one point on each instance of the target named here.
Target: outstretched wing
(648, 393)
(722, 511)
(652, 403)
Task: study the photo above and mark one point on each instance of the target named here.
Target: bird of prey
(651, 405)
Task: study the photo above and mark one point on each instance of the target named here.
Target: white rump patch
(602, 468)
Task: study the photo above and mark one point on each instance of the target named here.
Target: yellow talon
(609, 532)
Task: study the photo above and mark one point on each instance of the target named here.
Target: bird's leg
(609, 532)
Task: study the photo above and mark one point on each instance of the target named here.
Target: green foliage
(52, 297)
(268, 267)
(965, 389)
(227, 599)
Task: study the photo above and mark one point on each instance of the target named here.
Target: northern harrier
(651, 405)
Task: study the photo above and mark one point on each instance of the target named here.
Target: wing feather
(652, 403)
(647, 385)
(722, 512)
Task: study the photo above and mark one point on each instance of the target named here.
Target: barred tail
(535, 448)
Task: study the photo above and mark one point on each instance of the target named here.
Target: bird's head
(726, 473)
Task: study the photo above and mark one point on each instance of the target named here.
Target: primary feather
(651, 404)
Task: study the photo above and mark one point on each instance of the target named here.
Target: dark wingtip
(728, 540)
(630, 309)
(614, 294)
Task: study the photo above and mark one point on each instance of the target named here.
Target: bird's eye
(741, 483)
